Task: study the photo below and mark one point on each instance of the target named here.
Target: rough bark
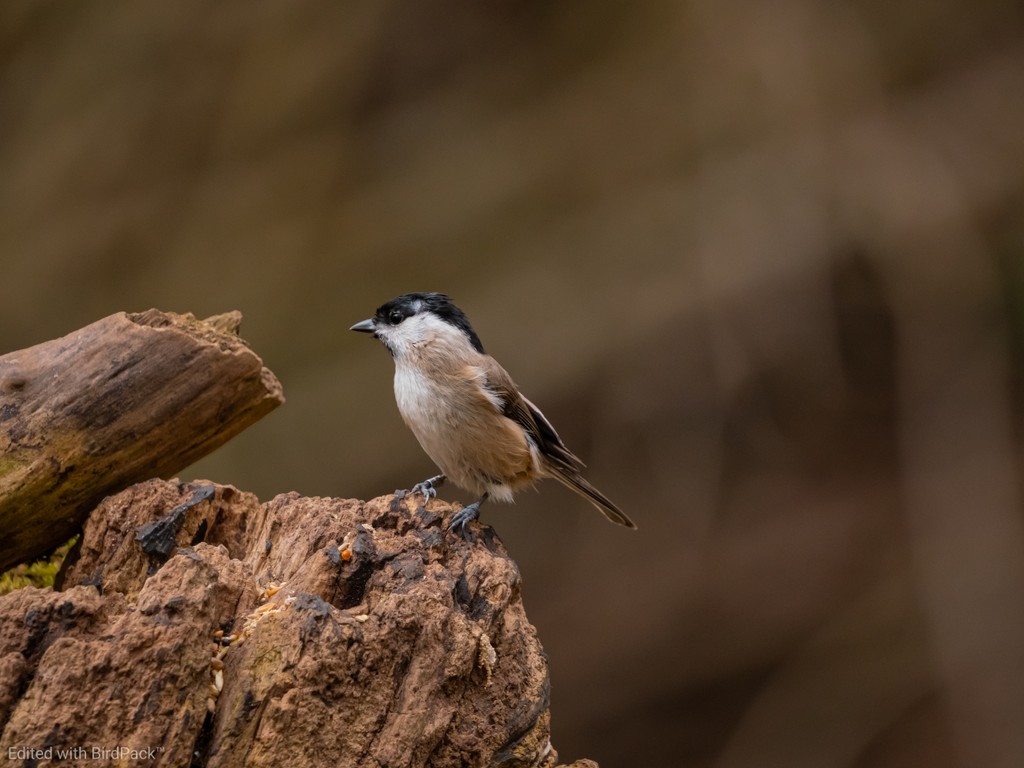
(351, 634)
(132, 396)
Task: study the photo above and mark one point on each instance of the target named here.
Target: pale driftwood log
(130, 397)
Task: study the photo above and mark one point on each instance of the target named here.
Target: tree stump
(127, 398)
(199, 627)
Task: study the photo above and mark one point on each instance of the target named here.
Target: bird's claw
(464, 517)
(426, 488)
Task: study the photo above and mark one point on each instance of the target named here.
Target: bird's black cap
(439, 304)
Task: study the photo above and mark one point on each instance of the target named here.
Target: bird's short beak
(366, 326)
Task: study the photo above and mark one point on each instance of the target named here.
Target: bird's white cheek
(392, 341)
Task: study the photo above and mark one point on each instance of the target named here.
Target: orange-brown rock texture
(200, 627)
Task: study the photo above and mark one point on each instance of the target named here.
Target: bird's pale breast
(462, 431)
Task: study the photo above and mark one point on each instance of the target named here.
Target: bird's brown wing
(560, 462)
(516, 407)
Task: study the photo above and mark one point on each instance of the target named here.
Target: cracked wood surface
(127, 398)
(301, 631)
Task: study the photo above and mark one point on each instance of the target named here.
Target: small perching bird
(466, 411)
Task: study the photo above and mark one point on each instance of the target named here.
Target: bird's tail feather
(595, 497)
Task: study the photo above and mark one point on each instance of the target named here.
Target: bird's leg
(466, 515)
(429, 487)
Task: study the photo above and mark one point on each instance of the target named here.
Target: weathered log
(130, 397)
(351, 634)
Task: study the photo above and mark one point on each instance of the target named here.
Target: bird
(467, 413)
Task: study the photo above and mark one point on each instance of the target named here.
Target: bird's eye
(395, 317)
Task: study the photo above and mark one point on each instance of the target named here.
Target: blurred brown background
(761, 263)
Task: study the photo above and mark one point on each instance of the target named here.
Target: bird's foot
(465, 516)
(429, 487)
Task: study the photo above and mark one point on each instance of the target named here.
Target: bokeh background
(761, 263)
